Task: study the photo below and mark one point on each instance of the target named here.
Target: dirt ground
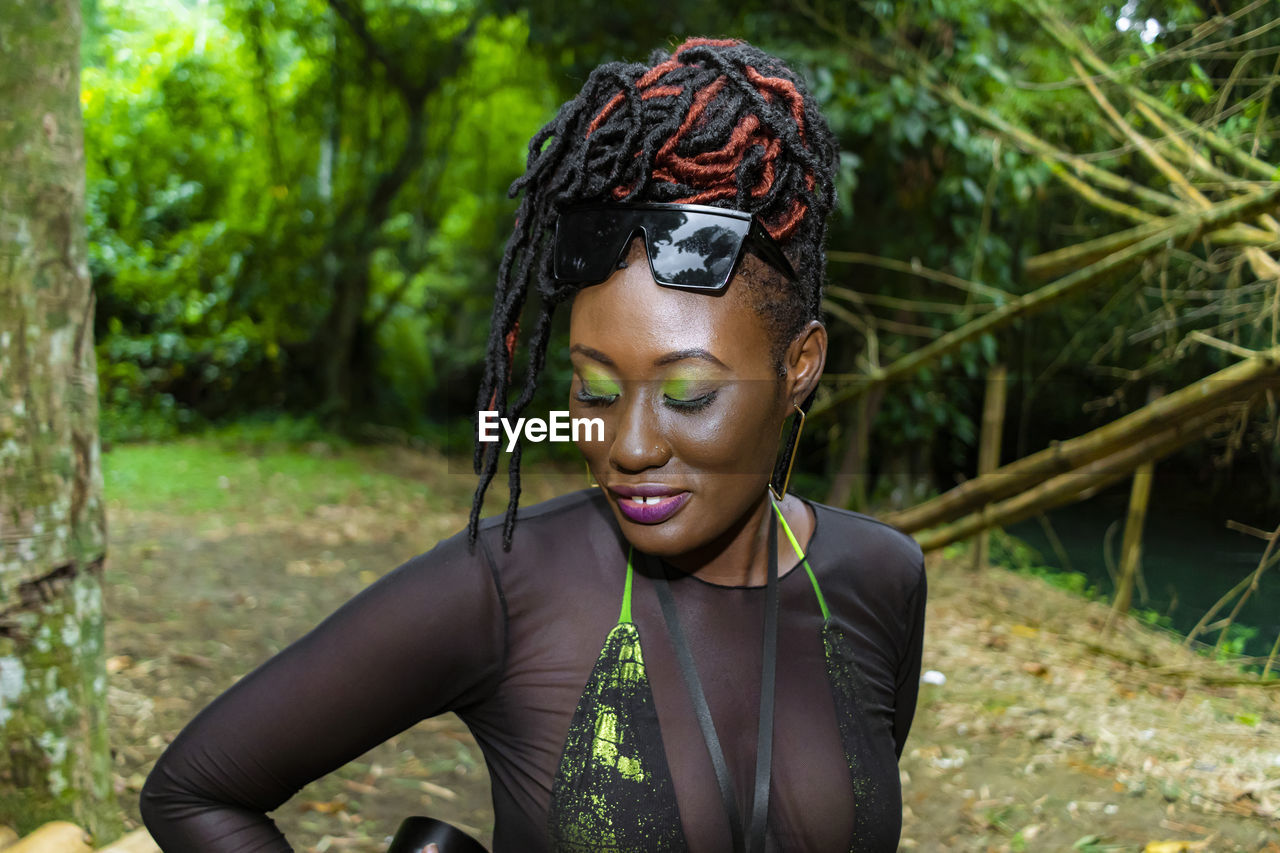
(1044, 736)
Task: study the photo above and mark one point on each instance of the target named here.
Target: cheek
(731, 441)
(737, 433)
(733, 436)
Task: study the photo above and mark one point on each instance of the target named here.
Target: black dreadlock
(717, 122)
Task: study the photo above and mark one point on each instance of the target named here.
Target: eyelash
(594, 399)
(695, 405)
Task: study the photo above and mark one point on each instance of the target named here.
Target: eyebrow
(593, 354)
(667, 358)
(681, 355)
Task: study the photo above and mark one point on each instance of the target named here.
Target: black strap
(768, 674)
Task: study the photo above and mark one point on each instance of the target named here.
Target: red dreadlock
(716, 171)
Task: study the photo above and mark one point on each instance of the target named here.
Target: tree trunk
(989, 443)
(55, 762)
(341, 334)
(850, 487)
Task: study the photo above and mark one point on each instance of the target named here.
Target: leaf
(913, 128)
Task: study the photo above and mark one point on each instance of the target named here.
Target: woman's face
(692, 404)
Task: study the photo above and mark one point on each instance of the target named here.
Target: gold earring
(786, 480)
(591, 481)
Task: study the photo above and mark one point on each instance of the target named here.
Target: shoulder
(868, 547)
(578, 521)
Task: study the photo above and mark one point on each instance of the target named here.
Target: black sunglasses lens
(693, 249)
(588, 243)
(686, 249)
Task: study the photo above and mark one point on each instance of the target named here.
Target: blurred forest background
(296, 211)
(1054, 302)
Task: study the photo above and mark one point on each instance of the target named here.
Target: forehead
(633, 319)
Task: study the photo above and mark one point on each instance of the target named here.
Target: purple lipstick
(649, 503)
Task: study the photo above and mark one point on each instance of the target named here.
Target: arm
(908, 685)
(427, 638)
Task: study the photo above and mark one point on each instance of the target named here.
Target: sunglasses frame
(756, 235)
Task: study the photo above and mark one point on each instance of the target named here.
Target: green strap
(625, 615)
(791, 537)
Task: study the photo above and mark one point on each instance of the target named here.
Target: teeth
(643, 500)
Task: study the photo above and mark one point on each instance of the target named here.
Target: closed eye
(596, 395)
(695, 404)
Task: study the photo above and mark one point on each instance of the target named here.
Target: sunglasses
(690, 246)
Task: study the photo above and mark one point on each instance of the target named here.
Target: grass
(196, 476)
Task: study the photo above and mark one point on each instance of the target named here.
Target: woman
(750, 663)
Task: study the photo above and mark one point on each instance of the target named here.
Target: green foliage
(231, 157)
(1233, 644)
(1016, 555)
(1152, 617)
(237, 151)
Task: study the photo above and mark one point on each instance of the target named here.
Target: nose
(638, 443)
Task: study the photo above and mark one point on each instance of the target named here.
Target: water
(1189, 559)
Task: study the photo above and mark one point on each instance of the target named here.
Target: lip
(669, 501)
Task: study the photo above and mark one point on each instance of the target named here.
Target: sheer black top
(508, 640)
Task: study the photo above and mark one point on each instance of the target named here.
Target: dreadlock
(717, 122)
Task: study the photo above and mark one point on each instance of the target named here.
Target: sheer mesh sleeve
(428, 637)
(908, 686)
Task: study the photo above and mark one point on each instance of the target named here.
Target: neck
(737, 557)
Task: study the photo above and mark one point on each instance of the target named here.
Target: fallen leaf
(1035, 668)
(438, 790)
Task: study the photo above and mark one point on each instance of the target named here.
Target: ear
(805, 358)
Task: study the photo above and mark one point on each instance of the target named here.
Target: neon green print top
(613, 790)
(590, 733)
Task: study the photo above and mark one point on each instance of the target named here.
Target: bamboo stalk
(1194, 157)
(1131, 548)
(1071, 41)
(1050, 294)
(1090, 251)
(1237, 382)
(1049, 263)
(1226, 346)
(916, 269)
(1163, 166)
(901, 304)
(1203, 624)
(1091, 195)
(1031, 142)
(1271, 658)
(924, 74)
(1262, 264)
(1068, 487)
(1249, 589)
(993, 405)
